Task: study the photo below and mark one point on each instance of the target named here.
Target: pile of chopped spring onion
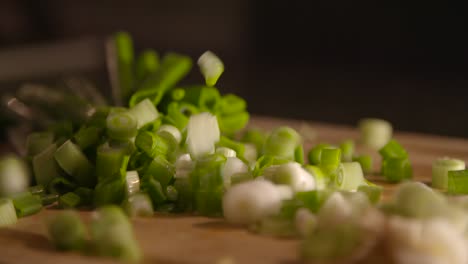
(185, 149)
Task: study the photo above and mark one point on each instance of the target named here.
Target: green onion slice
(45, 166)
(121, 126)
(69, 200)
(440, 169)
(132, 182)
(72, 160)
(397, 169)
(14, 176)
(67, 231)
(144, 113)
(211, 67)
(349, 176)
(7, 212)
(202, 134)
(375, 133)
(393, 149)
(138, 204)
(457, 182)
(27, 204)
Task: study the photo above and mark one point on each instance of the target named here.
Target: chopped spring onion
(232, 104)
(138, 204)
(144, 113)
(321, 180)
(365, 161)
(299, 154)
(67, 231)
(232, 166)
(38, 141)
(88, 136)
(154, 190)
(440, 169)
(414, 199)
(109, 191)
(457, 182)
(44, 165)
(110, 161)
(207, 173)
(152, 144)
(395, 165)
(291, 174)
(202, 134)
(315, 154)
(27, 204)
(282, 143)
(7, 212)
(14, 176)
(72, 160)
(330, 160)
(112, 233)
(396, 169)
(251, 201)
(347, 150)
(375, 133)
(430, 241)
(211, 67)
(393, 149)
(349, 176)
(132, 183)
(173, 131)
(69, 200)
(121, 126)
(161, 170)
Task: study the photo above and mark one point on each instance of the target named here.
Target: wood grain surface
(193, 239)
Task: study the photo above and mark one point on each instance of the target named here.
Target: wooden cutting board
(192, 239)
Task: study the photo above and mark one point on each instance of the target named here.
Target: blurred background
(330, 61)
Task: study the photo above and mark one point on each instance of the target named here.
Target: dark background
(327, 60)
